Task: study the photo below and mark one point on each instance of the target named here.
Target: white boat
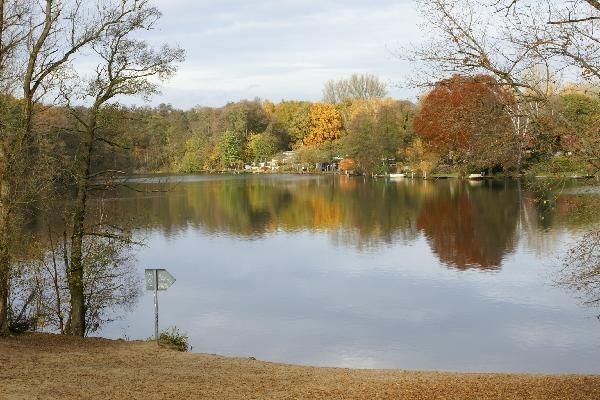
(475, 177)
(396, 176)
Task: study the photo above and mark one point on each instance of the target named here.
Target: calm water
(348, 272)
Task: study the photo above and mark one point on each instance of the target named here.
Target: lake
(355, 272)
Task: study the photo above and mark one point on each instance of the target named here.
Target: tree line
(166, 139)
(461, 124)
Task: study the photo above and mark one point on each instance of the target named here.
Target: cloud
(281, 49)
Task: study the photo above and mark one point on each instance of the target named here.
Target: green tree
(364, 143)
(579, 124)
(231, 145)
(260, 147)
(379, 132)
(245, 116)
(196, 156)
(291, 121)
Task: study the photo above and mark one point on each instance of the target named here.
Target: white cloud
(281, 49)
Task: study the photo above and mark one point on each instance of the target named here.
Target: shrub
(175, 339)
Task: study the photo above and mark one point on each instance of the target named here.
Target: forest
(462, 124)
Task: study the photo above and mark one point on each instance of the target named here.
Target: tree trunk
(4, 255)
(4, 252)
(75, 271)
(4, 280)
(75, 279)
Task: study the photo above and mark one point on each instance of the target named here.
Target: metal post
(156, 305)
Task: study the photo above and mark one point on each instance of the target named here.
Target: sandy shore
(55, 367)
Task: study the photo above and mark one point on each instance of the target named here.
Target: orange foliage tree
(347, 164)
(466, 118)
(325, 124)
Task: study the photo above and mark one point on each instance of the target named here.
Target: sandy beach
(58, 367)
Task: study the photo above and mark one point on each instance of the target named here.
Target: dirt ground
(58, 367)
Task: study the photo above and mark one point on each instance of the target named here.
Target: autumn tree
(420, 158)
(465, 118)
(170, 127)
(291, 121)
(529, 46)
(377, 133)
(206, 121)
(325, 124)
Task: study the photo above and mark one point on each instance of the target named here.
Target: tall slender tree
(38, 39)
(127, 67)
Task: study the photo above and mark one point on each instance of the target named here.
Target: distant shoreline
(316, 173)
(54, 366)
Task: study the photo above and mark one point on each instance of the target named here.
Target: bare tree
(12, 37)
(357, 87)
(581, 272)
(38, 38)
(13, 32)
(127, 67)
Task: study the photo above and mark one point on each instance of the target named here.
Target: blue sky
(285, 49)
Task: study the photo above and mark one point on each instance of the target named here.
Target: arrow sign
(157, 279)
(165, 279)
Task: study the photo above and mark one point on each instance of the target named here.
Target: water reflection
(470, 226)
(466, 226)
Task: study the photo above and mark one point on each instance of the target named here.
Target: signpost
(157, 279)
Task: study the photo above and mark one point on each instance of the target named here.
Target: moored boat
(476, 177)
(396, 176)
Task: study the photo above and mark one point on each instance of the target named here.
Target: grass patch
(560, 167)
(174, 339)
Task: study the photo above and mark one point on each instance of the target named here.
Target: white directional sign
(165, 279)
(157, 279)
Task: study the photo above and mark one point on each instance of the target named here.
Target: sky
(282, 49)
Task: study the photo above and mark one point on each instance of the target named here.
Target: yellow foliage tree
(420, 159)
(325, 124)
(268, 107)
(351, 110)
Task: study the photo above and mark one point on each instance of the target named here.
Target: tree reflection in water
(471, 227)
(465, 225)
(581, 271)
